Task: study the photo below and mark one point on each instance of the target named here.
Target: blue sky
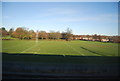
(82, 17)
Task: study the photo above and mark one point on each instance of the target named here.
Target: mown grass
(80, 48)
(45, 51)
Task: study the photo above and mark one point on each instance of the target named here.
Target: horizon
(58, 31)
(84, 18)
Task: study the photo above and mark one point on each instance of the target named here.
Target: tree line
(24, 33)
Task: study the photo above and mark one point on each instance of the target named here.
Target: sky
(84, 18)
(60, 0)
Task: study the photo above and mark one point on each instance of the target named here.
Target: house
(77, 37)
(100, 38)
(104, 40)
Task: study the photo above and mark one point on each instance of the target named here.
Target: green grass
(80, 48)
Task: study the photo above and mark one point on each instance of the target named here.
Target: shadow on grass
(40, 66)
(89, 50)
(59, 58)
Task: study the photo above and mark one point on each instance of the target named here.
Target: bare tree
(68, 34)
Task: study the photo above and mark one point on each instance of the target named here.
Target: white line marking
(36, 44)
(28, 48)
(74, 49)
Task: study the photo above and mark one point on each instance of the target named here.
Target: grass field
(77, 47)
(46, 58)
